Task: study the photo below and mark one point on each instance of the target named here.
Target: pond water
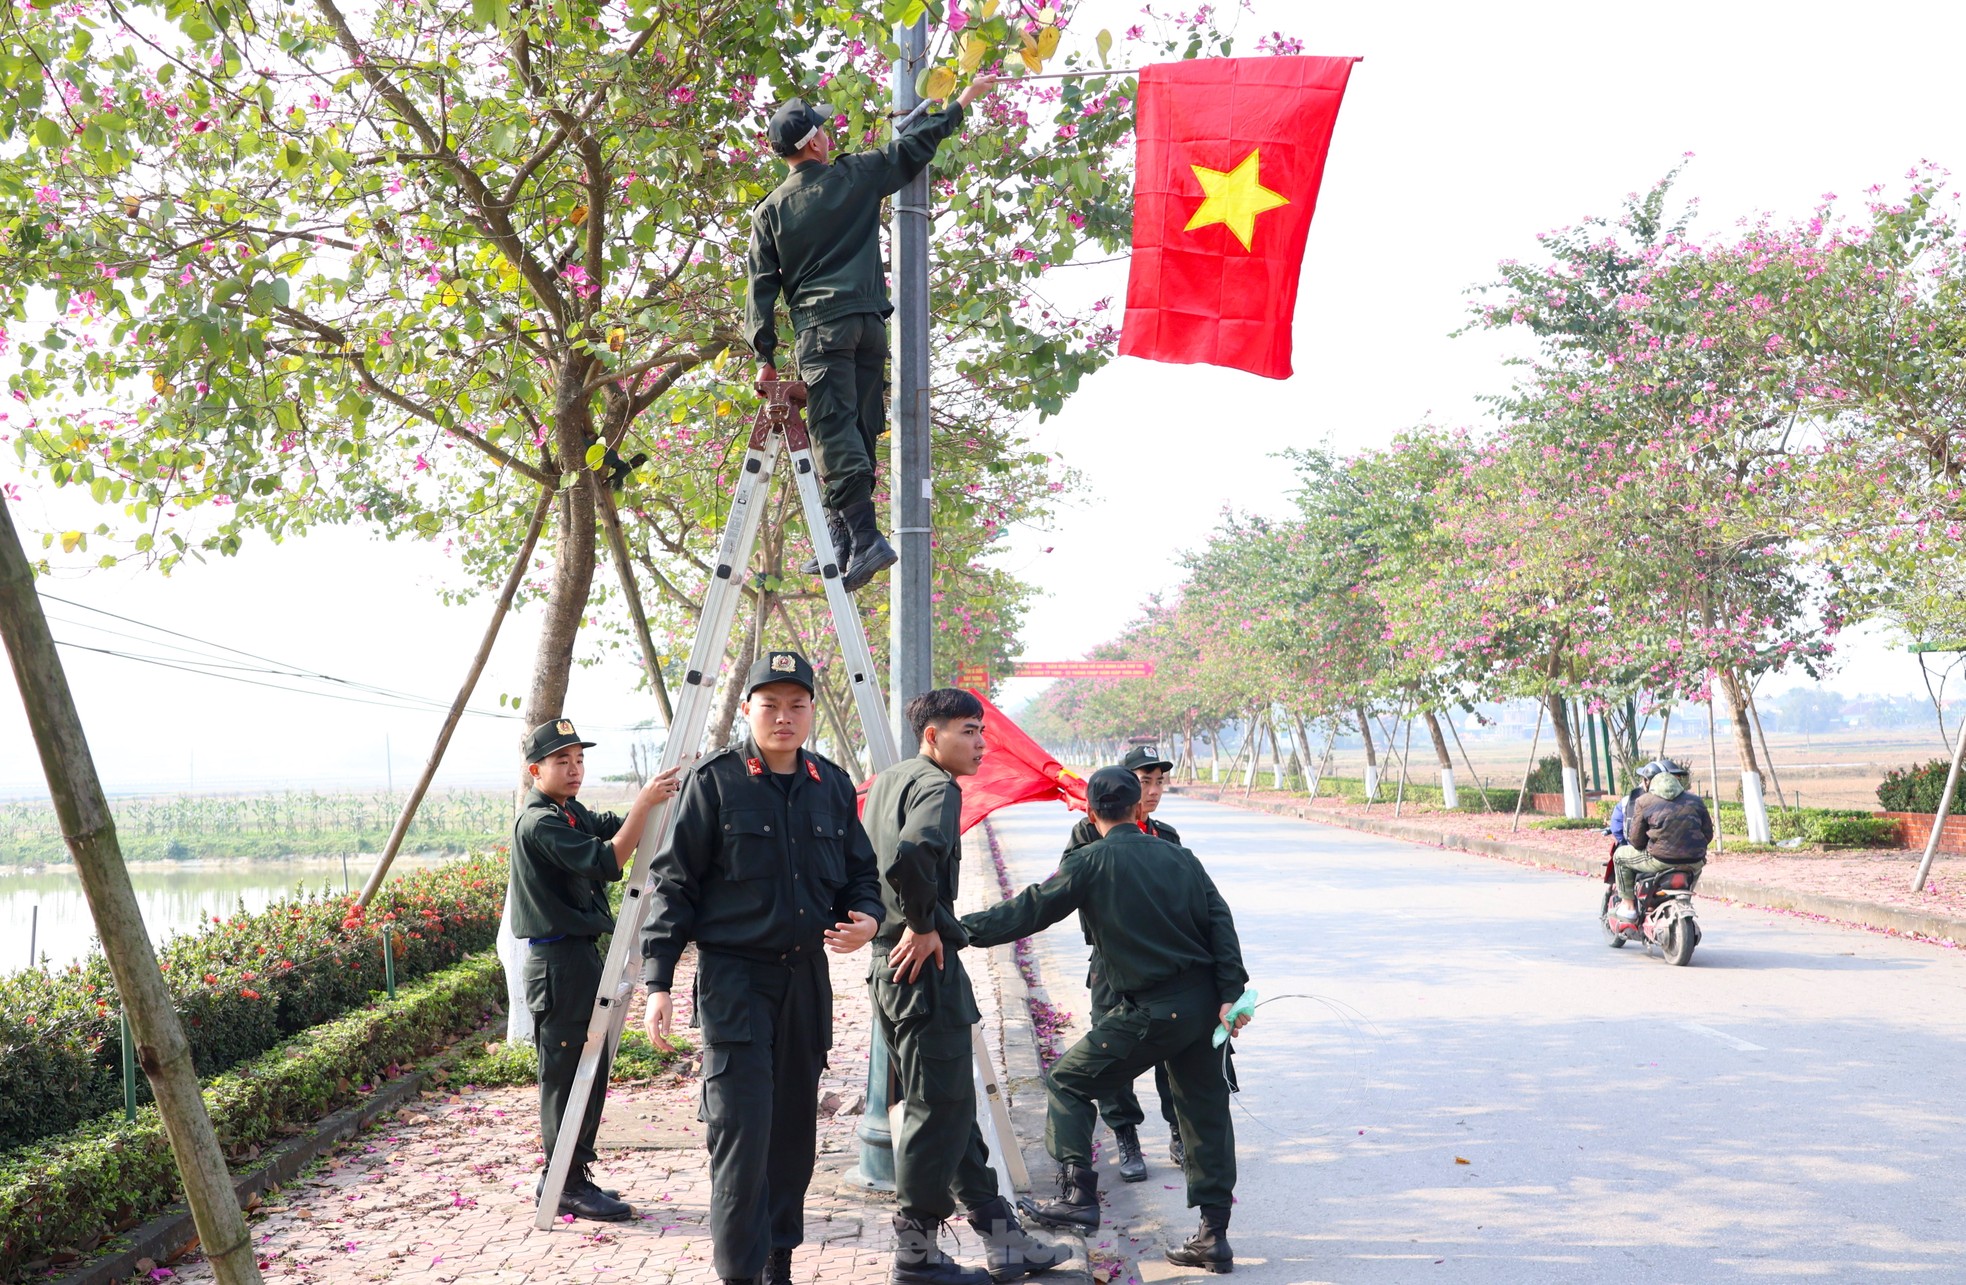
(174, 897)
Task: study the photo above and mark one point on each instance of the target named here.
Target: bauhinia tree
(271, 265)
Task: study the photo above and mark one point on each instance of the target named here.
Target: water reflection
(174, 898)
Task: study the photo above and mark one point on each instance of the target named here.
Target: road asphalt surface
(1789, 1107)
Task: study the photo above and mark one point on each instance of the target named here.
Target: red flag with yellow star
(1231, 155)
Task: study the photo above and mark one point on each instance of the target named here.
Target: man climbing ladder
(816, 241)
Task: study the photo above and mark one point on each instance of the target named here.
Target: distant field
(1840, 770)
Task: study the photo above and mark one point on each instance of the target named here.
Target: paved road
(1789, 1107)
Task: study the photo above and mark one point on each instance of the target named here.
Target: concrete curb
(1023, 1085)
(1842, 910)
(172, 1232)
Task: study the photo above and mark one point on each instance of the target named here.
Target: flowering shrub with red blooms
(73, 1191)
(242, 984)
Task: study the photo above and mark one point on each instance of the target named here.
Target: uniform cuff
(658, 974)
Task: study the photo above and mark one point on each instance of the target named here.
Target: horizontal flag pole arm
(916, 111)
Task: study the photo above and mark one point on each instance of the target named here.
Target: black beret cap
(792, 124)
(1112, 788)
(548, 737)
(779, 667)
(1141, 757)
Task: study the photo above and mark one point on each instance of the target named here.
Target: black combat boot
(778, 1268)
(1013, 1252)
(842, 536)
(919, 1261)
(578, 1179)
(1133, 1165)
(872, 554)
(1077, 1206)
(1177, 1150)
(1208, 1248)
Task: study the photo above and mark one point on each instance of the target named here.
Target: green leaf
(1104, 42)
(48, 133)
(596, 453)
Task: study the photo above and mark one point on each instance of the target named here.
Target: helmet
(1667, 765)
(1649, 771)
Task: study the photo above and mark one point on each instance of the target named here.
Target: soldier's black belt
(796, 955)
(1193, 979)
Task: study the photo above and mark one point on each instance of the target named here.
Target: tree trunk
(566, 604)
(1371, 755)
(1566, 749)
(1450, 796)
(1752, 803)
(90, 833)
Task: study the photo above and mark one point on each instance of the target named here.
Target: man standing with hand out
(563, 859)
(1171, 955)
(767, 864)
(1122, 1111)
(816, 240)
(925, 1008)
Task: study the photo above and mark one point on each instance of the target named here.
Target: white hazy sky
(1467, 130)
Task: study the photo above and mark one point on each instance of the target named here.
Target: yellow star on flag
(1234, 199)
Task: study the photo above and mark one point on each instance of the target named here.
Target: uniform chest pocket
(753, 844)
(827, 836)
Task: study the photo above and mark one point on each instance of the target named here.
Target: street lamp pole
(910, 638)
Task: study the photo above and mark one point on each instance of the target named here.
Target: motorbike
(1666, 918)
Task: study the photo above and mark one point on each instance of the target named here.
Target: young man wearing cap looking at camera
(767, 869)
(1122, 1111)
(816, 241)
(925, 1008)
(1169, 947)
(563, 858)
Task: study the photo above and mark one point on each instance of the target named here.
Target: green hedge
(73, 1192)
(1918, 789)
(241, 985)
(1832, 827)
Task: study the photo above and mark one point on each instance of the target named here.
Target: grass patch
(501, 1065)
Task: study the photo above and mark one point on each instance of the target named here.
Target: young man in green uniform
(815, 240)
(563, 858)
(1122, 1111)
(925, 1008)
(1169, 947)
(767, 865)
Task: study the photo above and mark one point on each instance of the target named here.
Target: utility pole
(910, 640)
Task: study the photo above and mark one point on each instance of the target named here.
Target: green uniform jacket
(1153, 912)
(816, 238)
(914, 817)
(753, 870)
(1084, 835)
(562, 863)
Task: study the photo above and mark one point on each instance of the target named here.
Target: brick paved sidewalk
(441, 1191)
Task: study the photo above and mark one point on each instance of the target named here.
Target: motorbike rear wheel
(1680, 937)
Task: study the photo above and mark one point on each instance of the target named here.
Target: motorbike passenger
(1667, 828)
(1621, 814)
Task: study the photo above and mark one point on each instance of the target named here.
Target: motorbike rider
(1668, 828)
(1621, 814)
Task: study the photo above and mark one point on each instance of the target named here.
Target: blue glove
(1244, 1007)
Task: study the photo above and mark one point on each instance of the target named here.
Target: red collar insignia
(812, 768)
(756, 765)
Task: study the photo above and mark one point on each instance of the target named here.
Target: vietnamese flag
(1231, 155)
(1016, 769)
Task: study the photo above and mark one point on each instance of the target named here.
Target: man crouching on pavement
(563, 859)
(767, 864)
(1172, 956)
(914, 817)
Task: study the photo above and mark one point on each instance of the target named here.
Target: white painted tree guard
(1448, 797)
(1755, 804)
(1573, 793)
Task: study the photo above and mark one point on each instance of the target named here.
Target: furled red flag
(1231, 155)
(1016, 769)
